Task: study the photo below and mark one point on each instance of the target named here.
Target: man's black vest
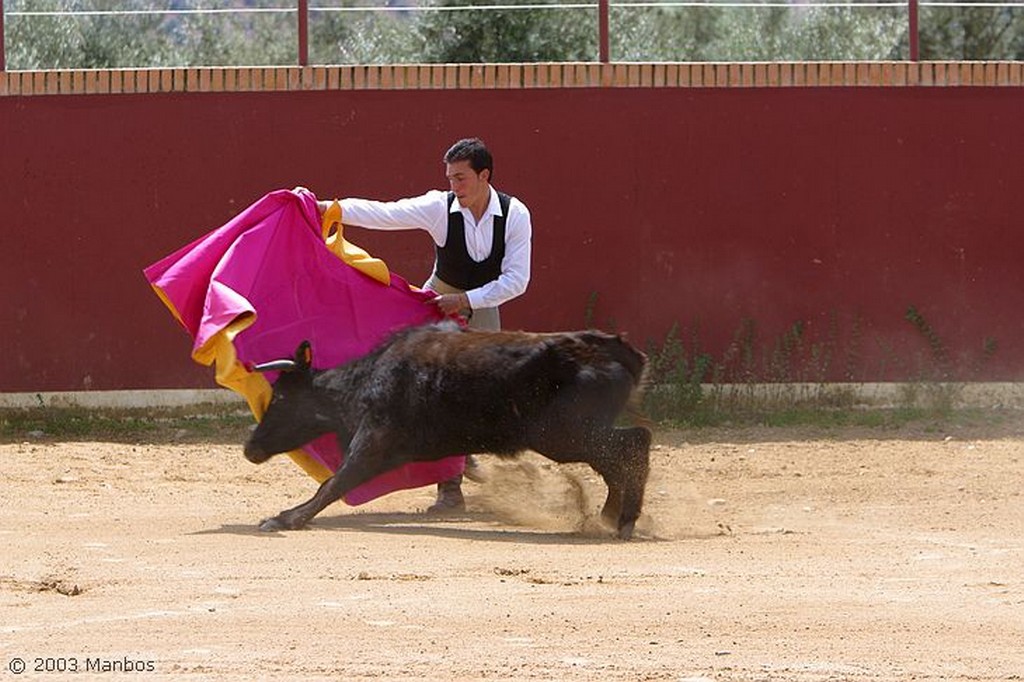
(454, 264)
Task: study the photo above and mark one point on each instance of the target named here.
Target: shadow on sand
(453, 526)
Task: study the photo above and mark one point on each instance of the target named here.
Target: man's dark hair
(471, 149)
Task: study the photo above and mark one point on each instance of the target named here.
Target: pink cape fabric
(271, 261)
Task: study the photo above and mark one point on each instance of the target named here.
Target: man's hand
(452, 303)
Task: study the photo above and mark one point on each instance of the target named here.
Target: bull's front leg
(359, 467)
(330, 491)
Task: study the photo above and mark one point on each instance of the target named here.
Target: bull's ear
(304, 356)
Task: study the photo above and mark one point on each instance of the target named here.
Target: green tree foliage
(368, 37)
(70, 40)
(449, 31)
(855, 33)
(79, 41)
(508, 35)
(715, 33)
(245, 39)
(667, 34)
(972, 33)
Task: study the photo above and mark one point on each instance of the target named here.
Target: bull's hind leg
(620, 455)
(623, 460)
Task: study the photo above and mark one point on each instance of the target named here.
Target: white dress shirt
(430, 212)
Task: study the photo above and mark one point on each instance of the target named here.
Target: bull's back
(444, 347)
(489, 367)
(449, 390)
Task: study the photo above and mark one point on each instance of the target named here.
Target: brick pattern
(510, 76)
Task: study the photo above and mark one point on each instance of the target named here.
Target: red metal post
(602, 30)
(3, 61)
(914, 42)
(303, 32)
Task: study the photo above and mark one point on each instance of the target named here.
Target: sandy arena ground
(763, 555)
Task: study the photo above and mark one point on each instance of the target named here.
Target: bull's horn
(274, 366)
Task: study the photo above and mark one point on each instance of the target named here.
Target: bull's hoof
(274, 524)
(626, 530)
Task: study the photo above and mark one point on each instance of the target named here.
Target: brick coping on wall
(510, 76)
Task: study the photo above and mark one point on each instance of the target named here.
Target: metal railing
(302, 11)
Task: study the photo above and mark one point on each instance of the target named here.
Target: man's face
(469, 187)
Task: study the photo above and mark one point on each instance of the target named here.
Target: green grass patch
(922, 419)
(229, 424)
(207, 423)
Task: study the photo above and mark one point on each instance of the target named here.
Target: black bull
(435, 391)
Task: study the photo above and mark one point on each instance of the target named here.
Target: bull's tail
(630, 357)
(610, 355)
(602, 348)
(635, 362)
(616, 349)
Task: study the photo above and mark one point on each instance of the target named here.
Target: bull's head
(296, 414)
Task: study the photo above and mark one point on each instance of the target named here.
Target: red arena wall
(834, 227)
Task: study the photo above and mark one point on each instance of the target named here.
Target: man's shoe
(449, 497)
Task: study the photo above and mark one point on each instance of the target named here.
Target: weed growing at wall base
(792, 377)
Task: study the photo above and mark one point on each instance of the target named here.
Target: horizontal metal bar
(736, 4)
(812, 3)
(459, 8)
(972, 4)
(286, 10)
(144, 12)
(755, 5)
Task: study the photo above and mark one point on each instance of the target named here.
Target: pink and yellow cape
(273, 276)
